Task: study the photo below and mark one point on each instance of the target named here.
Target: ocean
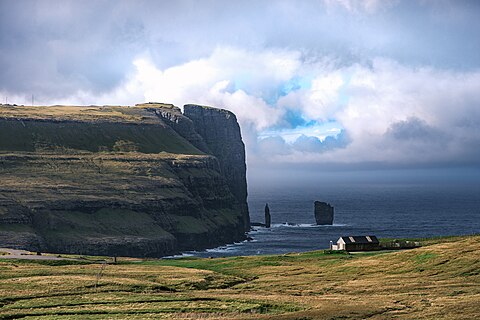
(383, 210)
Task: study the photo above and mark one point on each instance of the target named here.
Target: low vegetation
(131, 114)
(438, 281)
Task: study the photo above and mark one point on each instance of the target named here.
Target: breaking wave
(301, 225)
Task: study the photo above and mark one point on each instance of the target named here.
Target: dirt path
(23, 254)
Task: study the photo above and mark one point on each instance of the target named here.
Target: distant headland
(145, 180)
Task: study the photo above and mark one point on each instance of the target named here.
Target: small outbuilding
(356, 243)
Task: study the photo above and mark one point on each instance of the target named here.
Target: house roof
(360, 239)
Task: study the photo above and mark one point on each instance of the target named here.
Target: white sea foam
(303, 225)
(181, 255)
(227, 248)
(334, 225)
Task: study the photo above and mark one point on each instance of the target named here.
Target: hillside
(438, 281)
(136, 181)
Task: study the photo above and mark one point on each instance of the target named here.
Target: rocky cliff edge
(137, 181)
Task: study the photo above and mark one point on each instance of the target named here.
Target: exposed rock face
(173, 117)
(112, 181)
(220, 130)
(268, 218)
(323, 213)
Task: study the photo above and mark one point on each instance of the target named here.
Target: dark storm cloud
(313, 144)
(57, 47)
(418, 139)
(415, 129)
(401, 77)
(271, 146)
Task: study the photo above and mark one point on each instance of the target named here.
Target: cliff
(221, 132)
(132, 181)
(323, 213)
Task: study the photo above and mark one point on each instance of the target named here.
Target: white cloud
(388, 93)
(392, 114)
(321, 99)
(229, 78)
(357, 6)
(376, 103)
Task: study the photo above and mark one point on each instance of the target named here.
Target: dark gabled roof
(360, 239)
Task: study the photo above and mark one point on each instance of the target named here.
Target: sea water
(383, 210)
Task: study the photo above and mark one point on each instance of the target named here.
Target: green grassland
(124, 114)
(440, 280)
(72, 196)
(90, 128)
(96, 179)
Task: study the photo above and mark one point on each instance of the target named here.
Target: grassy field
(133, 114)
(90, 128)
(438, 281)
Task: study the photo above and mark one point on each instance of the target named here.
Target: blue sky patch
(312, 129)
(294, 84)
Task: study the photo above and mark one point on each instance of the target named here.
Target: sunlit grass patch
(425, 257)
(437, 281)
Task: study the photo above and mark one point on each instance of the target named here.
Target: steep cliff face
(111, 181)
(173, 117)
(323, 213)
(220, 130)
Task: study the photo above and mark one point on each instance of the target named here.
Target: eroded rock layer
(221, 132)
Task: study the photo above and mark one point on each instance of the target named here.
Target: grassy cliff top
(438, 281)
(208, 108)
(136, 114)
(157, 105)
(90, 128)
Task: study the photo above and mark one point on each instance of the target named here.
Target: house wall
(360, 246)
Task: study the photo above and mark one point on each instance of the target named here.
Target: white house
(356, 243)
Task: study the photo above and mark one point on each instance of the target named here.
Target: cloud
(381, 111)
(54, 50)
(341, 81)
(276, 146)
(230, 78)
(414, 129)
(357, 6)
(321, 97)
(393, 114)
(273, 146)
(397, 113)
(313, 144)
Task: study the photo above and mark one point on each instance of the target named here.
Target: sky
(338, 86)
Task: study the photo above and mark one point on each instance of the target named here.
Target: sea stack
(323, 213)
(268, 218)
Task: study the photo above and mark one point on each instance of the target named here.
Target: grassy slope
(439, 281)
(89, 129)
(84, 113)
(128, 179)
(50, 155)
